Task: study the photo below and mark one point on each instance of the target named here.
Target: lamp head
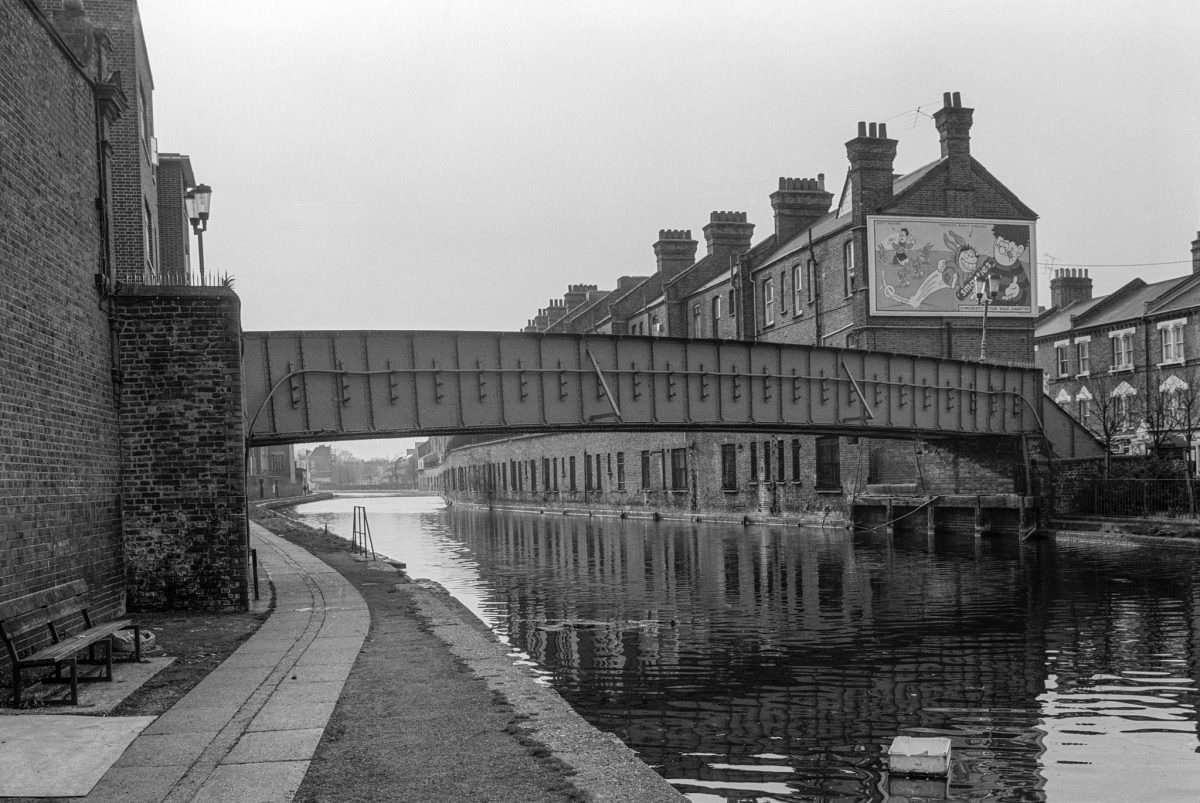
(197, 203)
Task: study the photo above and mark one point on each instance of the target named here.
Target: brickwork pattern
(59, 476)
(182, 444)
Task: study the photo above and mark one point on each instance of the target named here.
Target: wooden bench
(52, 629)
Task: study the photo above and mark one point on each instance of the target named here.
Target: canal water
(776, 664)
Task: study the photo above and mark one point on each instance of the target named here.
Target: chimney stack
(1068, 286)
(577, 295)
(728, 233)
(798, 203)
(872, 156)
(953, 123)
(675, 251)
(1196, 254)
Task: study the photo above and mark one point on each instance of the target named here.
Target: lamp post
(985, 293)
(197, 202)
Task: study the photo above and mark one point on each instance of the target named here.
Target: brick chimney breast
(1068, 286)
(675, 251)
(798, 203)
(728, 233)
(953, 123)
(872, 156)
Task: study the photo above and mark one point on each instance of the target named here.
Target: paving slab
(61, 755)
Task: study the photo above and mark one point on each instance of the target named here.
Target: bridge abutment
(178, 377)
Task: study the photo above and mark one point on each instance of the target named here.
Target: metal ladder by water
(360, 539)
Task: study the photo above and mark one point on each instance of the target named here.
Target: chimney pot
(820, 181)
(883, 130)
(873, 131)
(945, 100)
(957, 100)
(862, 128)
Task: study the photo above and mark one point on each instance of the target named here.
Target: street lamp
(986, 297)
(197, 202)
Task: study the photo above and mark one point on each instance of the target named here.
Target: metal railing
(1130, 497)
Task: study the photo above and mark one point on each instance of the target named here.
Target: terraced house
(1127, 365)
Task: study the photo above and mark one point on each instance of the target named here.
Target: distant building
(272, 473)
(1127, 365)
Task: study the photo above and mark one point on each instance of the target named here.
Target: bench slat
(40, 599)
(74, 643)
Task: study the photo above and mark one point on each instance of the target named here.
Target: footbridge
(337, 385)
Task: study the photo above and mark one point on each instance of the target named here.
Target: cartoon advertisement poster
(940, 266)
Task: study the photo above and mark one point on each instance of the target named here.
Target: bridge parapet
(305, 386)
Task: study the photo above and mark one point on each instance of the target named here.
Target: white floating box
(911, 755)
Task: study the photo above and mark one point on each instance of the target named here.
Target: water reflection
(757, 664)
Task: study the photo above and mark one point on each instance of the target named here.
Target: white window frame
(768, 297)
(1083, 355)
(797, 288)
(848, 267)
(697, 321)
(1062, 358)
(1122, 346)
(1170, 339)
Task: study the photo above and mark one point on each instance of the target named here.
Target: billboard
(939, 266)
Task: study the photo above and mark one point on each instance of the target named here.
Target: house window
(732, 304)
(780, 466)
(795, 459)
(766, 450)
(620, 471)
(1122, 350)
(715, 311)
(278, 463)
(753, 461)
(768, 302)
(645, 471)
(1121, 410)
(1062, 360)
(797, 287)
(656, 327)
(599, 484)
(1083, 357)
(728, 467)
(829, 474)
(546, 475)
(533, 475)
(697, 323)
(1170, 335)
(783, 292)
(679, 472)
(848, 266)
(571, 486)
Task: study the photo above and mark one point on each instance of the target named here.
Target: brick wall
(488, 470)
(132, 176)
(182, 447)
(59, 473)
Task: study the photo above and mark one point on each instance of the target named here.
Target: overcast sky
(453, 165)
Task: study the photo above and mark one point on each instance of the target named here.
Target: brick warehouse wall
(182, 448)
(59, 453)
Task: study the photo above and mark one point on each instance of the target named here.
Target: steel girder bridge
(341, 385)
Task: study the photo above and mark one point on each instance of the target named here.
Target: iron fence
(1129, 497)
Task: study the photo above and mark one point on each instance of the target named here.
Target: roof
(1131, 302)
